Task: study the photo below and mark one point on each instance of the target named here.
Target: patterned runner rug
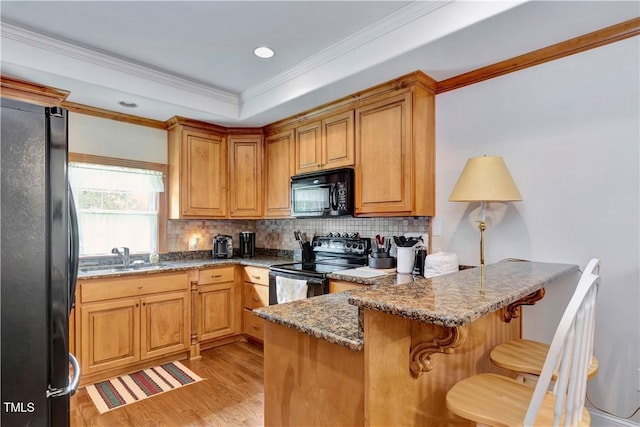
(123, 390)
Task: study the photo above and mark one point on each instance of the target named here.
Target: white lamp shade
(485, 179)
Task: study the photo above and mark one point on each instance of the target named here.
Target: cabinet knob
(256, 299)
(140, 287)
(256, 277)
(256, 327)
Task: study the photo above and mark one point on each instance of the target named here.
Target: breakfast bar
(388, 353)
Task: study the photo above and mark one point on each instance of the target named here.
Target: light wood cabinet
(219, 299)
(325, 144)
(279, 165)
(128, 320)
(197, 173)
(386, 132)
(245, 172)
(164, 324)
(110, 335)
(343, 285)
(395, 167)
(255, 294)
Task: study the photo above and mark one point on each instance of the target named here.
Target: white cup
(405, 260)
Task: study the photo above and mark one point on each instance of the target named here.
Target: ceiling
(194, 58)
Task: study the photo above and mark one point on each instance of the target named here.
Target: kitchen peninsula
(387, 354)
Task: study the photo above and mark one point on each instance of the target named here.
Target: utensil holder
(405, 260)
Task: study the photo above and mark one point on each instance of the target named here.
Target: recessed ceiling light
(128, 104)
(263, 52)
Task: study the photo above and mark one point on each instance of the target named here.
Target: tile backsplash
(186, 235)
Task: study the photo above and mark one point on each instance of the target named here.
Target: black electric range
(331, 253)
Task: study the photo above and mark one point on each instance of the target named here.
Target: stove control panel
(336, 244)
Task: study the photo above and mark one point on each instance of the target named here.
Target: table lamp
(484, 179)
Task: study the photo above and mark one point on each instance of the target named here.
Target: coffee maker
(247, 244)
(222, 246)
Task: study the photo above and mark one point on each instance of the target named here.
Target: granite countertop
(329, 317)
(180, 265)
(449, 300)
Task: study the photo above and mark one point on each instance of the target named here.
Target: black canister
(418, 265)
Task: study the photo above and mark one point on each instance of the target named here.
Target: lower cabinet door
(110, 335)
(219, 311)
(164, 324)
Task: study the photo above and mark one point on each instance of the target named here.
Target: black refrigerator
(38, 264)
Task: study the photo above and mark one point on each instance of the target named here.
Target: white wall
(569, 131)
(110, 138)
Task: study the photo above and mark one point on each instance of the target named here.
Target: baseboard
(600, 419)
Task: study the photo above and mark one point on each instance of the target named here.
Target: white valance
(89, 176)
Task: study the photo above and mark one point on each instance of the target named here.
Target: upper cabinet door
(338, 141)
(204, 162)
(308, 148)
(279, 155)
(245, 171)
(383, 156)
(197, 174)
(325, 144)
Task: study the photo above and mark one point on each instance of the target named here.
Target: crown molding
(31, 92)
(400, 18)
(602, 37)
(59, 47)
(113, 115)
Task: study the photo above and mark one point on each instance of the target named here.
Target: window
(119, 203)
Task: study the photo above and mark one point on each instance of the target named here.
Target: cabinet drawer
(216, 275)
(339, 286)
(252, 325)
(256, 275)
(255, 296)
(132, 286)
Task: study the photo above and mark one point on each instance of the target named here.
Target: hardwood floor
(231, 395)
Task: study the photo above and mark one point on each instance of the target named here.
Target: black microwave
(322, 194)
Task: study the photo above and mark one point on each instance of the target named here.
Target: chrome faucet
(124, 254)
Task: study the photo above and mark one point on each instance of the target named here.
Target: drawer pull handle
(256, 277)
(217, 276)
(256, 299)
(256, 327)
(140, 287)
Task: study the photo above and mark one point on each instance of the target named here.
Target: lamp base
(482, 226)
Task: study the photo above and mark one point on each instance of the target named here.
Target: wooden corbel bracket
(421, 353)
(511, 311)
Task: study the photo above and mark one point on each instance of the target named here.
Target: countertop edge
(314, 332)
(173, 266)
(461, 319)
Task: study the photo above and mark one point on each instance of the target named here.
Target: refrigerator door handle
(75, 249)
(73, 385)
